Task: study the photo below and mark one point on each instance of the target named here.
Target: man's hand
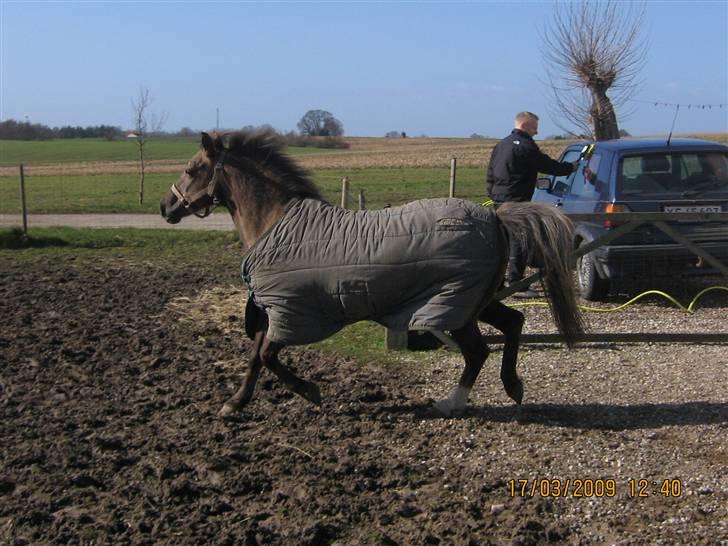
(575, 165)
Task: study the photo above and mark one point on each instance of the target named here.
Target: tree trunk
(604, 119)
(141, 173)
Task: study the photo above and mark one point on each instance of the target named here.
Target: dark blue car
(643, 175)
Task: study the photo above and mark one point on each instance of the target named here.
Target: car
(642, 175)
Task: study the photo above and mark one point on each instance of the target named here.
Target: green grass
(396, 186)
(74, 150)
(122, 242)
(119, 193)
(96, 193)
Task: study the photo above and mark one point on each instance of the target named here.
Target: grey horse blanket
(429, 264)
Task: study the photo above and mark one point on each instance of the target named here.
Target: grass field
(99, 176)
(119, 192)
(73, 150)
(81, 150)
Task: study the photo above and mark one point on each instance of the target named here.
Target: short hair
(525, 116)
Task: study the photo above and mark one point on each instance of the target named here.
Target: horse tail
(547, 238)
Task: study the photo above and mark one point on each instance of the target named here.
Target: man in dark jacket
(512, 172)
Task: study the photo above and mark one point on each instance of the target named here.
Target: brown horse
(312, 268)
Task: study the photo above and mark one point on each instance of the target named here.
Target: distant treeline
(24, 130)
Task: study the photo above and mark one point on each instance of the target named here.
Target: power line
(681, 105)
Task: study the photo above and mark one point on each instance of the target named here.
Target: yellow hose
(688, 309)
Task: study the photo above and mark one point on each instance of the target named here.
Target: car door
(560, 186)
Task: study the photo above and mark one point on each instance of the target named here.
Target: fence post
(453, 163)
(23, 206)
(345, 192)
(362, 200)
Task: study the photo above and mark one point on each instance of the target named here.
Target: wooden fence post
(345, 192)
(453, 163)
(362, 200)
(23, 206)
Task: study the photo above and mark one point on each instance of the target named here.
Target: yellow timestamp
(593, 487)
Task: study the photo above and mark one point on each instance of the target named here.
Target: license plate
(692, 208)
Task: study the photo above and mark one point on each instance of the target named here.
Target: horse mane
(262, 151)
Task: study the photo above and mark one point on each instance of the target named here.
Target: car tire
(592, 287)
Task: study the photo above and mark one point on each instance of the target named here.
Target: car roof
(623, 145)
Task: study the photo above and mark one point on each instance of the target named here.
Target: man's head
(527, 122)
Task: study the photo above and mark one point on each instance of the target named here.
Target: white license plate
(693, 208)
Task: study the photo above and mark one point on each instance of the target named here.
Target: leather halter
(208, 192)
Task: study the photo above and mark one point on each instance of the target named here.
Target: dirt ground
(108, 404)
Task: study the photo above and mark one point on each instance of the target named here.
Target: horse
(311, 268)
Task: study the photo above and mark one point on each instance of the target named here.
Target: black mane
(263, 152)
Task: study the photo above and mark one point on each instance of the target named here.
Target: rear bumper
(663, 260)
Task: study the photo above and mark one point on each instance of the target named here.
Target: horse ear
(208, 144)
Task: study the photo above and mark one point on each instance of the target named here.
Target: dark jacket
(514, 166)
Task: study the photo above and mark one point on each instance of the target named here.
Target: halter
(208, 192)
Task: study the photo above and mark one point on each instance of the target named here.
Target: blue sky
(445, 69)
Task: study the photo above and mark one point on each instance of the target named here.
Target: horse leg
(245, 393)
(306, 389)
(510, 322)
(475, 351)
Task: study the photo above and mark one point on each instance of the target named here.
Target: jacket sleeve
(544, 164)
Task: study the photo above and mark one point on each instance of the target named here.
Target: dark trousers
(516, 258)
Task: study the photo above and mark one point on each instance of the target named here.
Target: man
(512, 172)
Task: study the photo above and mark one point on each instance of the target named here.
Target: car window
(584, 183)
(562, 184)
(675, 173)
(701, 170)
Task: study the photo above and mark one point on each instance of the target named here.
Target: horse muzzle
(169, 208)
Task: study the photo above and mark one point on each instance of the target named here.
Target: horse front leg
(306, 389)
(475, 351)
(245, 393)
(510, 322)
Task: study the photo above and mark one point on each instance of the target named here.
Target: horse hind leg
(510, 322)
(475, 351)
(269, 356)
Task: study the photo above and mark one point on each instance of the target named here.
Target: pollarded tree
(320, 123)
(591, 48)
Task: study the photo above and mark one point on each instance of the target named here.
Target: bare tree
(145, 123)
(589, 49)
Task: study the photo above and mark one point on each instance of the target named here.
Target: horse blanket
(430, 264)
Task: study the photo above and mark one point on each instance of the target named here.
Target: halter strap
(208, 191)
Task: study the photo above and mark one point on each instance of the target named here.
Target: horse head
(196, 190)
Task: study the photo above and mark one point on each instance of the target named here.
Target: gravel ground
(108, 401)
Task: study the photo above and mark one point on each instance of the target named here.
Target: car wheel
(591, 286)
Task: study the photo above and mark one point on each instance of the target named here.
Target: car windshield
(686, 173)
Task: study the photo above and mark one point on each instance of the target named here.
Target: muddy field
(108, 401)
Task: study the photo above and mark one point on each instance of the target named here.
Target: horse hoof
(442, 408)
(226, 410)
(313, 394)
(445, 408)
(514, 390)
